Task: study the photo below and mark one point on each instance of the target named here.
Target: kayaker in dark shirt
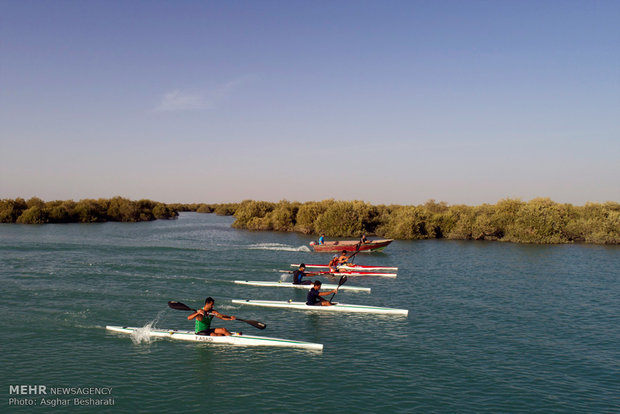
(299, 274)
(314, 296)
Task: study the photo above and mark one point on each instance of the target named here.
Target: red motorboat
(351, 246)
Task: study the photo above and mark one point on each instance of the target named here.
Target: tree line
(37, 211)
(540, 220)
(222, 209)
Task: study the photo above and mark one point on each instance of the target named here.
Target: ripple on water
(492, 327)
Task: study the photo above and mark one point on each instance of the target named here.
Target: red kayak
(351, 246)
(349, 266)
(345, 272)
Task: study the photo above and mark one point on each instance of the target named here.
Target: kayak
(234, 339)
(350, 266)
(337, 307)
(348, 273)
(291, 285)
(351, 246)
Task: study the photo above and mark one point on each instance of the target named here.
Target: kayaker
(363, 239)
(322, 238)
(333, 263)
(299, 274)
(203, 319)
(314, 295)
(343, 259)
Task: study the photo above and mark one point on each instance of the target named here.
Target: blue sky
(467, 102)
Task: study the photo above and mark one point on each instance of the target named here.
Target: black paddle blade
(343, 279)
(357, 250)
(179, 306)
(255, 324)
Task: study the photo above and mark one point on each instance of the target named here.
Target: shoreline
(538, 221)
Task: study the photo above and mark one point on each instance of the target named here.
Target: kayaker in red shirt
(333, 264)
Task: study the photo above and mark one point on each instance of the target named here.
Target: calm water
(492, 327)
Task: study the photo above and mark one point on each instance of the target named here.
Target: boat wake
(278, 247)
(142, 335)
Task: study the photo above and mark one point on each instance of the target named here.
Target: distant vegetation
(36, 211)
(537, 221)
(225, 209)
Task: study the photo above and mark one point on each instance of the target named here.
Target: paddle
(307, 273)
(357, 250)
(340, 283)
(183, 307)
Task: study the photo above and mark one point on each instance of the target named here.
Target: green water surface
(492, 327)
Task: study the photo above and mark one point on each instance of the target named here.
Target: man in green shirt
(204, 317)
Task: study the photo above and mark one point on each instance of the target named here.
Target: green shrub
(10, 210)
(540, 221)
(307, 215)
(227, 209)
(249, 210)
(485, 225)
(403, 222)
(205, 208)
(597, 223)
(33, 215)
(162, 211)
(345, 219)
(282, 218)
(60, 212)
(457, 222)
(35, 202)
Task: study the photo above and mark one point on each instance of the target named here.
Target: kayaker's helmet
(302, 265)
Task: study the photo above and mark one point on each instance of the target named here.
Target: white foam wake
(141, 335)
(278, 246)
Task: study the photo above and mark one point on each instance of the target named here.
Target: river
(492, 327)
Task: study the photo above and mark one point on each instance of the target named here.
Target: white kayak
(234, 339)
(291, 285)
(337, 307)
(350, 266)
